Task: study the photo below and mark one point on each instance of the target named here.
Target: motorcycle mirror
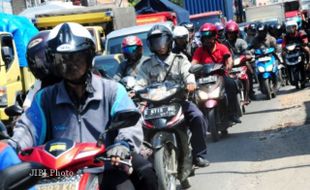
(20, 176)
(124, 118)
(194, 69)
(121, 119)
(14, 110)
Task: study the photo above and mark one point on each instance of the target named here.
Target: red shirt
(202, 56)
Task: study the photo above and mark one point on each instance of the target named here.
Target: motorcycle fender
(211, 103)
(162, 138)
(266, 75)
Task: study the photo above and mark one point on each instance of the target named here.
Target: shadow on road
(271, 110)
(254, 172)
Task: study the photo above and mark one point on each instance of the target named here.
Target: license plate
(205, 80)
(159, 112)
(236, 69)
(58, 186)
(264, 59)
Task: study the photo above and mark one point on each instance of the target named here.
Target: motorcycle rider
(58, 109)
(174, 67)
(215, 52)
(39, 66)
(276, 30)
(250, 33)
(293, 35)
(239, 47)
(181, 42)
(192, 41)
(263, 39)
(132, 48)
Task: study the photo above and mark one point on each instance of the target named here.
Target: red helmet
(131, 41)
(232, 26)
(208, 30)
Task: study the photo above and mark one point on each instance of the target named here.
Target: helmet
(159, 37)
(290, 25)
(261, 30)
(36, 56)
(189, 26)
(132, 48)
(180, 32)
(208, 30)
(131, 41)
(251, 29)
(71, 49)
(232, 26)
(219, 26)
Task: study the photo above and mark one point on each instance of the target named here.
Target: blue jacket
(53, 115)
(8, 156)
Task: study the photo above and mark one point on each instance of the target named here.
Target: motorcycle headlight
(269, 68)
(261, 69)
(215, 93)
(299, 59)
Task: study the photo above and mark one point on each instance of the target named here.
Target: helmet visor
(291, 29)
(130, 49)
(208, 34)
(71, 66)
(159, 42)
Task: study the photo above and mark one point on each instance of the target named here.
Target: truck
(227, 7)
(266, 13)
(164, 16)
(16, 77)
(108, 17)
(211, 17)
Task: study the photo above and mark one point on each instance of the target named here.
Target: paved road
(269, 150)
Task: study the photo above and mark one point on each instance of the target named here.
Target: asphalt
(268, 150)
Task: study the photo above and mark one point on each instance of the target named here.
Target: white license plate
(236, 69)
(264, 59)
(58, 186)
(159, 112)
(205, 80)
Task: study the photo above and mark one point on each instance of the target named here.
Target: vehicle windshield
(200, 21)
(114, 44)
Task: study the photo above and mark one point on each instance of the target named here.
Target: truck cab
(15, 80)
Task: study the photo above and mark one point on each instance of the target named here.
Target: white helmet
(180, 32)
(289, 24)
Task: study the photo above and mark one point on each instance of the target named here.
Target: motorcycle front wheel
(212, 125)
(165, 165)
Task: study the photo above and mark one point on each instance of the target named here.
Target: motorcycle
(283, 77)
(211, 97)
(294, 60)
(267, 71)
(166, 131)
(239, 74)
(69, 165)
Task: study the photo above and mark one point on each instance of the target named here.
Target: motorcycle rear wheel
(165, 164)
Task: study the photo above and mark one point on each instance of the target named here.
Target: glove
(119, 149)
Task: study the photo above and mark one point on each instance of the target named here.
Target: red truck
(156, 17)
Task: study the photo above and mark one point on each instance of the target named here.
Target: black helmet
(189, 26)
(36, 56)
(261, 30)
(251, 28)
(158, 37)
(69, 46)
